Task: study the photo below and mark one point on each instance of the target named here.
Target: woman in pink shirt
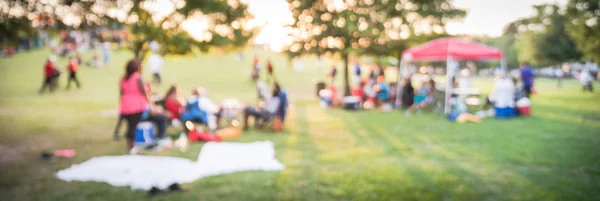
(133, 99)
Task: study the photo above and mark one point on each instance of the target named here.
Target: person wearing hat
(51, 73)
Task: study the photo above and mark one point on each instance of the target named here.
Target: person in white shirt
(503, 94)
(266, 111)
(155, 61)
(200, 108)
(586, 80)
(208, 106)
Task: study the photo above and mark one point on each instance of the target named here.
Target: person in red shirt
(174, 103)
(73, 66)
(50, 75)
(360, 92)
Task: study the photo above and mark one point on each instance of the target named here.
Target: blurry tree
(219, 23)
(376, 27)
(506, 43)
(13, 29)
(543, 39)
(584, 16)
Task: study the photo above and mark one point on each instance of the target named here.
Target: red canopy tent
(450, 50)
(454, 48)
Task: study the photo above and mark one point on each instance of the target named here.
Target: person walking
(255, 72)
(332, 74)
(134, 99)
(73, 66)
(559, 76)
(357, 74)
(270, 75)
(51, 73)
(156, 62)
(527, 78)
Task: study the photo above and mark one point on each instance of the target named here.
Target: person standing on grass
(586, 80)
(255, 73)
(527, 78)
(270, 71)
(73, 66)
(106, 53)
(357, 73)
(332, 74)
(156, 62)
(559, 76)
(51, 73)
(134, 99)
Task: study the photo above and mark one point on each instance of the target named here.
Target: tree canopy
(585, 26)
(544, 39)
(221, 22)
(377, 27)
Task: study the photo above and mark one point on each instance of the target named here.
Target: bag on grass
(227, 133)
(277, 125)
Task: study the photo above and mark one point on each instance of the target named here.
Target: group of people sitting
(137, 105)
(370, 93)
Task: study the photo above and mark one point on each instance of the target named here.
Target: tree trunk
(398, 101)
(138, 50)
(345, 56)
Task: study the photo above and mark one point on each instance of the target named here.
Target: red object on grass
(195, 136)
(458, 49)
(525, 111)
(67, 153)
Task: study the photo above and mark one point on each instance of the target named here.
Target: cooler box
(524, 106)
(505, 112)
(144, 133)
(351, 102)
(525, 111)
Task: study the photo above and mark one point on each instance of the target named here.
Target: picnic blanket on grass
(144, 172)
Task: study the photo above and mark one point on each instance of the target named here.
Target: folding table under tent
(450, 50)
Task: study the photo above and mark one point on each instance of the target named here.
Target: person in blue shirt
(357, 73)
(193, 112)
(383, 91)
(422, 98)
(527, 78)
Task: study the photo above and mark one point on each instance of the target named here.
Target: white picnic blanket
(144, 172)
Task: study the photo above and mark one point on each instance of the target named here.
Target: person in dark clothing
(73, 66)
(134, 100)
(158, 118)
(527, 78)
(50, 75)
(408, 93)
(332, 74)
(270, 70)
(266, 111)
(381, 70)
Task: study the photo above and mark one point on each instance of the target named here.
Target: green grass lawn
(329, 154)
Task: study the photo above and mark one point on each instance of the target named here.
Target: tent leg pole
(449, 84)
(399, 86)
